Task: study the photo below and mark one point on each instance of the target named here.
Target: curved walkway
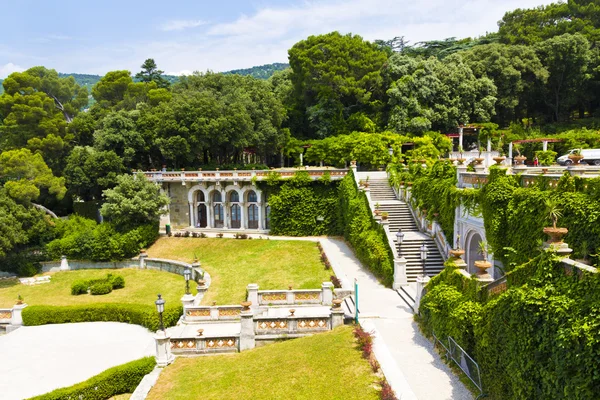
(39, 359)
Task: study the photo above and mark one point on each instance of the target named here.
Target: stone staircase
(400, 217)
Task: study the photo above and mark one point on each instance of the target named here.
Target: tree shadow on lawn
(6, 283)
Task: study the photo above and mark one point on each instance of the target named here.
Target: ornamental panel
(312, 324)
(307, 296)
(183, 344)
(229, 312)
(220, 343)
(274, 297)
(204, 312)
(273, 324)
(5, 315)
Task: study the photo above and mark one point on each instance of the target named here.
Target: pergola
(544, 141)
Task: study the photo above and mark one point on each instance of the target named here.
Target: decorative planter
(337, 303)
(461, 160)
(214, 303)
(384, 217)
(457, 253)
(199, 332)
(201, 282)
(376, 212)
(556, 234)
(520, 160)
(575, 158)
(499, 160)
(290, 287)
(483, 266)
(479, 160)
(544, 170)
(292, 311)
(246, 305)
(409, 184)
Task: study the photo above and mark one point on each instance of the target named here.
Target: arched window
(216, 197)
(218, 208)
(200, 196)
(236, 216)
(252, 196)
(234, 197)
(252, 216)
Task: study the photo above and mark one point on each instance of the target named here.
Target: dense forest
(67, 138)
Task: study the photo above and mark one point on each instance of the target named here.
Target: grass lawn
(141, 287)
(234, 263)
(323, 366)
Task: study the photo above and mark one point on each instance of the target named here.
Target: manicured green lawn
(141, 287)
(324, 366)
(234, 263)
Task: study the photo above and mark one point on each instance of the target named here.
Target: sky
(183, 36)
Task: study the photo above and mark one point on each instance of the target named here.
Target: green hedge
(365, 235)
(144, 315)
(537, 340)
(298, 205)
(114, 381)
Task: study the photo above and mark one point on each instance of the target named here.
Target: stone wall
(179, 209)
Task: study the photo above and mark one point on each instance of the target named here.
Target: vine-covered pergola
(544, 142)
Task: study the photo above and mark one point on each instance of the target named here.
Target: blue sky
(184, 36)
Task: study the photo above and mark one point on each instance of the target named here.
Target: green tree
(134, 202)
(89, 172)
(334, 76)
(151, 73)
(111, 89)
(567, 59)
(25, 173)
(119, 133)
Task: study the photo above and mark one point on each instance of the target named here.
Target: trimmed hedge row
(117, 380)
(366, 236)
(144, 315)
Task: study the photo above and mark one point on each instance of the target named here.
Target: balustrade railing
(259, 175)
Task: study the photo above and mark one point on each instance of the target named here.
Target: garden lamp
(187, 274)
(391, 151)
(400, 239)
(160, 307)
(423, 256)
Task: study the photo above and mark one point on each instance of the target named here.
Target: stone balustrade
(291, 325)
(244, 175)
(205, 344)
(212, 313)
(289, 297)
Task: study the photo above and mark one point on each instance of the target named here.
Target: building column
(460, 137)
(260, 218)
(243, 223)
(545, 145)
(191, 214)
(226, 213)
(209, 215)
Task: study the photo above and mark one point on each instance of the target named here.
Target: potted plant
(576, 156)
(246, 305)
(479, 160)
(554, 212)
(19, 300)
(201, 281)
(337, 303)
(461, 160)
(519, 158)
(376, 212)
(384, 216)
(484, 264)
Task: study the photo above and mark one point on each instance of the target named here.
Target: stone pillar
(192, 222)
(421, 283)
(290, 296)
(17, 318)
(188, 301)
(163, 349)
(214, 313)
(201, 292)
(489, 145)
(261, 222)
(510, 154)
(337, 317)
(400, 278)
(247, 341)
(252, 290)
(460, 169)
(243, 223)
(326, 293)
(545, 145)
(210, 223)
(142, 258)
(301, 159)
(460, 263)
(353, 167)
(460, 137)
(64, 264)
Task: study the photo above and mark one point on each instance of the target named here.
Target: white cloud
(181, 24)
(8, 69)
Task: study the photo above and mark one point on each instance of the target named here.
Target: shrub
(117, 281)
(336, 282)
(114, 381)
(100, 288)
(79, 287)
(387, 393)
(144, 315)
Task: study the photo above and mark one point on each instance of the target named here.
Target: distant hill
(260, 72)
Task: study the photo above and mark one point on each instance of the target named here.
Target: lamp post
(187, 274)
(390, 151)
(400, 239)
(423, 256)
(160, 307)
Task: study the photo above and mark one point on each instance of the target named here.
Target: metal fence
(463, 360)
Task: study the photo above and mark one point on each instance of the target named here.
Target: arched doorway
(472, 251)
(253, 217)
(201, 216)
(217, 209)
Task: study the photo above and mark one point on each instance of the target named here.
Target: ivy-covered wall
(537, 340)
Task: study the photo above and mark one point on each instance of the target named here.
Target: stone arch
(195, 189)
(472, 240)
(246, 189)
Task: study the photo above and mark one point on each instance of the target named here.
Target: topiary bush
(114, 381)
(79, 287)
(117, 281)
(144, 315)
(100, 288)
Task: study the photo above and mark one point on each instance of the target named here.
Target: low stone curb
(147, 383)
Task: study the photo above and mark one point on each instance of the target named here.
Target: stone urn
(457, 253)
(556, 234)
(483, 266)
(199, 332)
(520, 160)
(576, 158)
(409, 184)
(479, 160)
(384, 216)
(499, 160)
(201, 282)
(292, 311)
(544, 170)
(214, 303)
(461, 160)
(337, 303)
(246, 305)
(376, 212)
